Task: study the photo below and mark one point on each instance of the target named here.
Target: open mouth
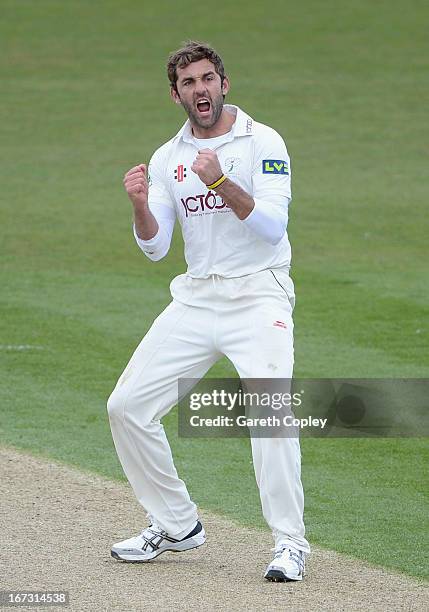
(203, 106)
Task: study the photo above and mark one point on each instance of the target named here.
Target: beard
(216, 107)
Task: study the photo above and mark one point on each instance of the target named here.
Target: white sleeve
(161, 206)
(268, 220)
(157, 247)
(271, 187)
(159, 192)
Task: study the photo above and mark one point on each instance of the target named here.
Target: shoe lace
(152, 528)
(294, 555)
(153, 536)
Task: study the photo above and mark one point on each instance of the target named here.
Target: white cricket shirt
(216, 241)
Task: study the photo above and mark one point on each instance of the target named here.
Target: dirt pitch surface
(57, 525)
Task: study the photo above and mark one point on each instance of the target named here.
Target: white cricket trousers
(209, 318)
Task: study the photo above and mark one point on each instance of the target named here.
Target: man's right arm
(152, 232)
(136, 186)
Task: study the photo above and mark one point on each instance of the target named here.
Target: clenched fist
(136, 185)
(207, 166)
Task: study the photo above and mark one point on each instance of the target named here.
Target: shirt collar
(243, 125)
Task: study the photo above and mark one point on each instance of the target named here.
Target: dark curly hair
(193, 51)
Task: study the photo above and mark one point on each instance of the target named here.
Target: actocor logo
(202, 202)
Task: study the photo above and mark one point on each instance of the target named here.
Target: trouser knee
(113, 406)
(117, 404)
(124, 406)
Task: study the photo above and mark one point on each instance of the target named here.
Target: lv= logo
(275, 166)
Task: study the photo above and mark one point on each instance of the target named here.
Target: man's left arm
(265, 211)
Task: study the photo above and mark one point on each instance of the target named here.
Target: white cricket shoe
(288, 564)
(153, 541)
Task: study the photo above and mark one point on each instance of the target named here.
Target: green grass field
(84, 97)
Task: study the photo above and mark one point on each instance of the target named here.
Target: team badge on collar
(180, 173)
